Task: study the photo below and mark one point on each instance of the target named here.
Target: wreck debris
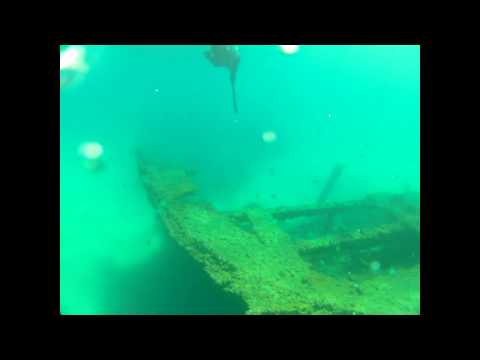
(249, 254)
(367, 237)
(164, 184)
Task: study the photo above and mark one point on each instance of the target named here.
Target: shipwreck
(304, 260)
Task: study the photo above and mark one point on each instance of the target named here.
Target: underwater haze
(316, 126)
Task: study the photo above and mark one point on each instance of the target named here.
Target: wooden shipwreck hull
(249, 254)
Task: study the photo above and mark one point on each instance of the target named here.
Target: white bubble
(92, 153)
(269, 136)
(329, 115)
(73, 66)
(90, 150)
(156, 90)
(290, 49)
(73, 58)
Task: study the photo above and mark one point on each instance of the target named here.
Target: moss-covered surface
(253, 257)
(263, 268)
(164, 184)
(386, 294)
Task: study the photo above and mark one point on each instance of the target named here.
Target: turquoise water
(358, 106)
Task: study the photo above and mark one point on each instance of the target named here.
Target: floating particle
(92, 153)
(375, 266)
(392, 271)
(290, 49)
(73, 58)
(357, 288)
(269, 136)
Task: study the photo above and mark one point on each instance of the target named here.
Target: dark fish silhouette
(226, 56)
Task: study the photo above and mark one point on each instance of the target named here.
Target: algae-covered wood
(250, 255)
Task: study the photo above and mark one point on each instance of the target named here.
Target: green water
(353, 105)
